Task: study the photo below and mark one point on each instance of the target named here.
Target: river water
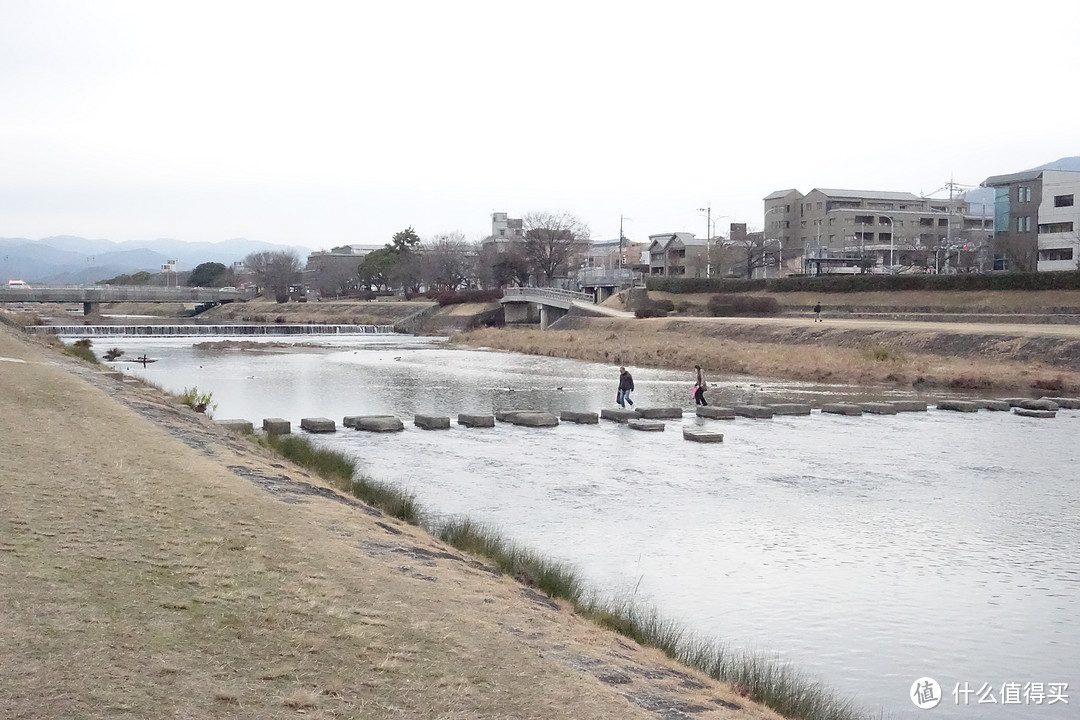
(869, 551)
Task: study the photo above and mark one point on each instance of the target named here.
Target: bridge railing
(554, 293)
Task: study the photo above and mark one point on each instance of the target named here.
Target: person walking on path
(626, 385)
(817, 313)
(700, 387)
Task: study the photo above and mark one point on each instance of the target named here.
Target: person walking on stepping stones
(626, 385)
(700, 387)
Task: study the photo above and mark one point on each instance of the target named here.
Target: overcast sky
(323, 123)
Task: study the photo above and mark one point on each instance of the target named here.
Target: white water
(868, 551)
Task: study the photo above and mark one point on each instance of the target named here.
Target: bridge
(91, 296)
(546, 305)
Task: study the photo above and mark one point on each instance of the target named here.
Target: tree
(375, 268)
(405, 241)
(274, 271)
(553, 241)
(448, 261)
(208, 274)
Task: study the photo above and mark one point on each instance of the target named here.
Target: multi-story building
(506, 232)
(336, 270)
(875, 231)
(680, 254)
(1036, 219)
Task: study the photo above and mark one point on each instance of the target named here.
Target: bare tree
(449, 261)
(274, 271)
(553, 241)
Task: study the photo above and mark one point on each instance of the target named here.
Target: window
(1059, 227)
(926, 222)
(1056, 254)
(943, 222)
(821, 205)
(1063, 201)
(1023, 193)
(1023, 224)
(864, 219)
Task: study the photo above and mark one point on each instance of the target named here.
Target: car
(17, 284)
(227, 289)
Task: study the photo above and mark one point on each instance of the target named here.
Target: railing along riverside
(554, 293)
(206, 330)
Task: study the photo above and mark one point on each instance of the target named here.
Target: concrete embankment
(152, 564)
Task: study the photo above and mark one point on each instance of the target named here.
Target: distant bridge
(91, 296)
(520, 305)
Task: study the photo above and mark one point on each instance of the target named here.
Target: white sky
(323, 123)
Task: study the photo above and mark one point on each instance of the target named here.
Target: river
(869, 551)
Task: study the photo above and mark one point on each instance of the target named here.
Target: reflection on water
(870, 551)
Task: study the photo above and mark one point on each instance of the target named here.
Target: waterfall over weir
(197, 330)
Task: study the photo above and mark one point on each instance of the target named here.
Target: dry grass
(780, 354)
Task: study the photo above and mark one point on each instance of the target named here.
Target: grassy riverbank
(153, 565)
(807, 351)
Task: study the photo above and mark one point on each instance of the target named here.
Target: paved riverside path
(150, 561)
(958, 328)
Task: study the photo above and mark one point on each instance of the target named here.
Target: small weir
(198, 330)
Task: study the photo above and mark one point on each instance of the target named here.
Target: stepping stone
(965, 406)
(241, 427)
(276, 426)
(715, 412)
(476, 421)
(995, 405)
(659, 413)
(790, 409)
(504, 415)
(1043, 404)
(432, 422)
(618, 414)
(754, 411)
(582, 418)
(702, 436)
(1034, 413)
(378, 423)
(878, 408)
(1014, 402)
(318, 425)
(349, 421)
(533, 419)
(646, 425)
(842, 409)
(908, 405)
(1066, 403)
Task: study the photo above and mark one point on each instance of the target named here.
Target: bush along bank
(769, 681)
(1069, 280)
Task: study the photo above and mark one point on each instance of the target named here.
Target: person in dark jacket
(700, 387)
(626, 385)
(817, 313)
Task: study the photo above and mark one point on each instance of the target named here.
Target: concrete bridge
(91, 296)
(546, 305)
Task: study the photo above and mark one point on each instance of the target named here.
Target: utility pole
(708, 239)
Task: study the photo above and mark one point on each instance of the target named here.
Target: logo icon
(925, 693)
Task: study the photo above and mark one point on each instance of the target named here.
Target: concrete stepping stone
(1066, 403)
(241, 427)
(1025, 412)
(878, 408)
(476, 421)
(715, 412)
(1043, 404)
(908, 405)
(618, 414)
(659, 413)
(790, 409)
(318, 425)
(533, 419)
(702, 436)
(965, 406)
(995, 405)
(754, 411)
(842, 409)
(432, 422)
(1014, 402)
(276, 426)
(505, 415)
(582, 418)
(646, 425)
(378, 423)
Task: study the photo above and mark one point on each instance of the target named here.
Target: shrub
(664, 305)
(725, 305)
(81, 349)
(648, 310)
(112, 354)
(456, 297)
(197, 401)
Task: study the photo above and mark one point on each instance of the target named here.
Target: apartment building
(506, 232)
(679, 254)
(1036, 220)
(877, 231)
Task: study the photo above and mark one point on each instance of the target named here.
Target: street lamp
(708, 240)
(892, 244)
(779, 241)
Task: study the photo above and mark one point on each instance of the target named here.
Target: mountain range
(66, 259)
